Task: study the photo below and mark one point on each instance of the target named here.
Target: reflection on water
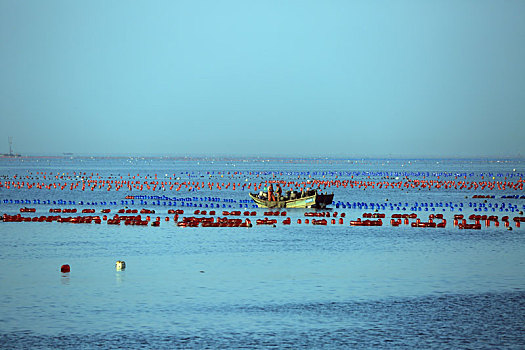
(65, 279)
(120, 277)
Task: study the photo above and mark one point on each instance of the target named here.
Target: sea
(280, 286)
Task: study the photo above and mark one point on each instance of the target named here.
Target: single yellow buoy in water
(120, 265)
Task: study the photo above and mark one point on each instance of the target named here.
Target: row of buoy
(372, 205)
(398, 219)
(269, 174)
(116, 220)
(373, 215)
(323, 222)
(507, 207)
(429, 223)
(273, 174)
(52, 218)
(257, 173)
(203, 205)
(226, 222)
(338, 204)
(367, 222)
(211, 222)
(406, 216)
(323, 214)
(266, 221)
(138, 220)
(66, 210)
(266, 213)
(274, 213)
(178, 211)
(92, 211)
(154, 186)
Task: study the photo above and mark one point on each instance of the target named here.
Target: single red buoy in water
(65, 268)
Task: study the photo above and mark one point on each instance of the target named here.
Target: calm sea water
(297, 286)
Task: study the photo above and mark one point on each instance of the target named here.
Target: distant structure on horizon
(11, 154)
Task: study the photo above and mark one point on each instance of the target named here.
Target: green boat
(315, 200)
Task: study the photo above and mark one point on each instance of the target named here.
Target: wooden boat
(315, 200)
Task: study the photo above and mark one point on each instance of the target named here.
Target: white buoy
(120, 265)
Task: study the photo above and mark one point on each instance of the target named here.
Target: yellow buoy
(120, 265)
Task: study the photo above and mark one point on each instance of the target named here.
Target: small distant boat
(11, 154)
(315, 200)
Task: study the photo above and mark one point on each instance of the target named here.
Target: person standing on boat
(279, 192)
(271, 197)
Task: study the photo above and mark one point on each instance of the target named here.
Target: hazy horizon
(263, 156)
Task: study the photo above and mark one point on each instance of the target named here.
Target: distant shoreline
(257, 158)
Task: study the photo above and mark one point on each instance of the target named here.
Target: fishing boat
(315, 200)
(11, 154)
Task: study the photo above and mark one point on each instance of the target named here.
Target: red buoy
(65, 268)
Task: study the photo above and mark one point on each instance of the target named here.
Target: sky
(283, 78)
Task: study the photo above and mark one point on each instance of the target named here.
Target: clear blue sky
(345, 78)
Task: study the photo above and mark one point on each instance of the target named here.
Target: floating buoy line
(255, 180)
(219, 198)
(236, 218)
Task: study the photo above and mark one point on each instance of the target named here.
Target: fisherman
(271, 197)
(279, 192)
(307, 192)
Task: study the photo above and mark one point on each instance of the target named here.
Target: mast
(10, 140)
(11, 154)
